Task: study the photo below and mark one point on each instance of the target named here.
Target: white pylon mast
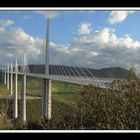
(47, 49)
(8, 76)
(46, 84)
(5, 73)
(15, 115)
(11, 79)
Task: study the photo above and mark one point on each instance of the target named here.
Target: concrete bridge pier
(8, 77)
(5, 77)
(46, 83)
(46, 99)
(23, 100)
(11, 79)
(23, 95)
(15, 112)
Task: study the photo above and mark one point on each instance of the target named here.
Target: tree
(132, 74)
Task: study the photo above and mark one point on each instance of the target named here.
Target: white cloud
(118, 16)
(52, 14)
(6, 22)
(48, 14)
(98, 49)
(26, 17)
(92, 11)
(104, 49)
(85, 11)
(15, 43)
(93, 53)
(85, 28)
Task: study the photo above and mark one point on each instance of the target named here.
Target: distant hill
(115, 72)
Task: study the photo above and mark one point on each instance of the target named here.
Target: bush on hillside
(101, 109)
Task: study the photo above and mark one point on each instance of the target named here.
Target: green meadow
(64, 98)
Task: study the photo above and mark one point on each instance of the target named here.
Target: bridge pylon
(15, 112)
(11, 79)
(23, 95)
(46, 83)
(7, 77)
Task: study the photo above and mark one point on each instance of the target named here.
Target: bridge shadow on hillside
(1, 78)
(6, 106)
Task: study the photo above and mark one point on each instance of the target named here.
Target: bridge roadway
(98, 82)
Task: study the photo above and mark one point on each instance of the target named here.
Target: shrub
(98, 109)
(110, 108)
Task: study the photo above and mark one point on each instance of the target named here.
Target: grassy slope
(63, 98)
(62, 92)
(3, 89)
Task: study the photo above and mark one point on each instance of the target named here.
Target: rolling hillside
(67, 70)
(115, 72)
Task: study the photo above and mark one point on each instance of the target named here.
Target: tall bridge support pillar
(5, 77)
(46, 83)
(46, 99)
(15, 115)
(2, 74)
(23, 100)
(23, 95)
(8, 77)
(11, 79)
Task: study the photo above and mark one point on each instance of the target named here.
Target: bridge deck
(99, 82)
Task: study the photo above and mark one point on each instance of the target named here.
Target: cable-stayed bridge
(63, 70)
(61, 74)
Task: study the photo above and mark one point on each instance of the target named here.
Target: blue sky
(110, 35)
(67, 22)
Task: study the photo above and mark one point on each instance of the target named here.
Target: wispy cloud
(118, 16)
(85, 28)
(48, 14)
(52, 14)
(26, 18)
(6, 22)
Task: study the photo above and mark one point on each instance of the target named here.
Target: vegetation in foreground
(116, 108)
